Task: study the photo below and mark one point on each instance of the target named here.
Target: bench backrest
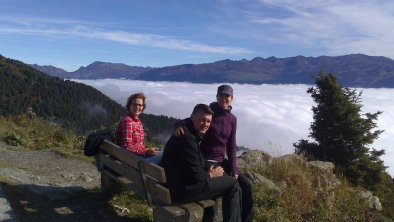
(141, 177)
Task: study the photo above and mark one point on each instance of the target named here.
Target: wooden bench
(118, 165)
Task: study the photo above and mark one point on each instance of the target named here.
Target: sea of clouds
(270, 117)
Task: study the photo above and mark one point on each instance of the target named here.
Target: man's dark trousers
(227, 188)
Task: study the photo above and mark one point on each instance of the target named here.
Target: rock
(366, 194)
(321, 165)
(373, 201)
(17, 175)
(24, 166)
(68, 176)
(283, 185)
(121, 210)
(253, 159)
(256, 178)
(63, 210)
(327, 181)
(326, 178)
(87, 178)
(333, 183)
(290, 159)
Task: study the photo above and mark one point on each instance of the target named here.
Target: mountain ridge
(95, 70)
(354, 70)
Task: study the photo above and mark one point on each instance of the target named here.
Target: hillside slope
(69, 103)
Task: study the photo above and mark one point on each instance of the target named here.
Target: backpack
(94, 140)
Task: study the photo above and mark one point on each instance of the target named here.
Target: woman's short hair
(133, 97)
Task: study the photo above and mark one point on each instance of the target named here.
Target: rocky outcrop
(253, 159)
(321, 166)
(325, 181)
(373, 201)
(256, 178)
(290, 159)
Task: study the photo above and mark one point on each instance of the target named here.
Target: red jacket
(130, 135)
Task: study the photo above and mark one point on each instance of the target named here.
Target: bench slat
(170, 213)
(131, 174)
(126, 182)
(194, 211)
(120, 153)
(189, 206)
(157, 191)
(206, 203)
(155, 171)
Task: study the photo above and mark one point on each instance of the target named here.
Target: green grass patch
(130, 205)
(304, 194)
(36, 133)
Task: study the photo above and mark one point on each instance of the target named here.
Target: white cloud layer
(270, 117)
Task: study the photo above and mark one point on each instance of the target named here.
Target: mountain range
(96, 70)
(356, 70)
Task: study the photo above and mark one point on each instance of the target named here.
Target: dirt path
(45, 186)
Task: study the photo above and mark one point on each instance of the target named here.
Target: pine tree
(341, 134)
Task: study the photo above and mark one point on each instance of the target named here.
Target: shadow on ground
(35, 203)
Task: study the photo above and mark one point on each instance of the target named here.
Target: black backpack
(94, 140)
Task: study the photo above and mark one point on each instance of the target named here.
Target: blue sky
(73, 33)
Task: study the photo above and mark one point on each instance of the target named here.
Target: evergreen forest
(64, 102)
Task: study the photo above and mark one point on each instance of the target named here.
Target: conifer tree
(342, 134)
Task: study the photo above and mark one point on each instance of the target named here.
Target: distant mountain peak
(354, 70)
(98, 70)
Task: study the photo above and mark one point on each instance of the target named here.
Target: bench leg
(107, 183)
(160, 214)
(190, 213)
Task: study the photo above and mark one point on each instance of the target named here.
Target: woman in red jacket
(130, 132)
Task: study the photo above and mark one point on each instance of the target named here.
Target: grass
(306, 194)
(36, 133)
(132, 206)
